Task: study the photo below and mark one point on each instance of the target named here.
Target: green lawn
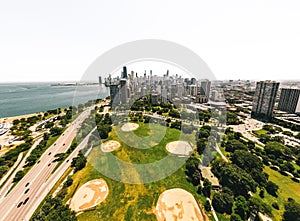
(287, 188)
(133, 201)
(260, 132)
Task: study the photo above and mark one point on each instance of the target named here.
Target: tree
(262, 193)
(196, 177)
(19, 175)
(272, 188)
(250, 144)
(46, 136)
(78, 162)
(274, 148)
(256, 204)
(3, 170)
(54, 131)
(207, 206)
(233, 144)
(246, 160)
(201, 145)
(235, 178)
(222, 202)
(275, 206)
(292, 211)
(235, 217)
(241, 207)
(69, 181)
(206, 188)
(191, 165)
(232, 118)
(251, 164)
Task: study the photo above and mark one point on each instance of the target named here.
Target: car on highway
(20, 204)
(27, 184)
(64, 144)
(26, 200)
(49, 164)
(26, 191)
(49, 153)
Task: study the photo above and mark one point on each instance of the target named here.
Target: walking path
(11, 170)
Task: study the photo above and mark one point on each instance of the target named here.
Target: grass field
(133, 201)
(260, 132)
(287, 188)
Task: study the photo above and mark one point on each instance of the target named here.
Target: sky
(238, 39)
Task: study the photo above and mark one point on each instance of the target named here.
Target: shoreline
(18, 117)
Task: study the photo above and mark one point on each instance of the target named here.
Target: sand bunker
(110, 146)
(178, 204)
(179, 148)
(129, 127)
(89, 195)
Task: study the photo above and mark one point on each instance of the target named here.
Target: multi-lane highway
(21, 202)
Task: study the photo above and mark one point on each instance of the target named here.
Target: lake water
(25, 98)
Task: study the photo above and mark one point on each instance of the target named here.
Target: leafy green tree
(3, 170)
(223, 202)
(235, 178)
(68, 182)
(272, 188)
(196, 177)
(262, 193)
(206, 188)
(201, 145)
(292, 211)
(235, 217)
(78, 162)
(207, 206)
(233, 144)
(19, 175)
(54, 131)
(256, 204)
(241, 207)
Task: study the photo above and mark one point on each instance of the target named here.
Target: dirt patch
(110, 146)
(178, 204)
(129, 127)
(89, 195)
(179, 148)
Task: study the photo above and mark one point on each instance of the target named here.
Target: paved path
(220, 152)
(213, 210)
(8, 173)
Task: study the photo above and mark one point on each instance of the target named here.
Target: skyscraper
(205, 85)
(264, 99)
(289, 99)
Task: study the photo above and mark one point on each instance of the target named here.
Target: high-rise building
(289, 99)
(123, 91)
(124, 72)
(264, 99)
(205, 85)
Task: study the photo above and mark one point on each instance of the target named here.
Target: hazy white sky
(57, 40)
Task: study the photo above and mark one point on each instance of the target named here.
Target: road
(17, 204)
(9, 182)
(49, 184)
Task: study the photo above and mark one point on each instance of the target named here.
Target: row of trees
(11, 156)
